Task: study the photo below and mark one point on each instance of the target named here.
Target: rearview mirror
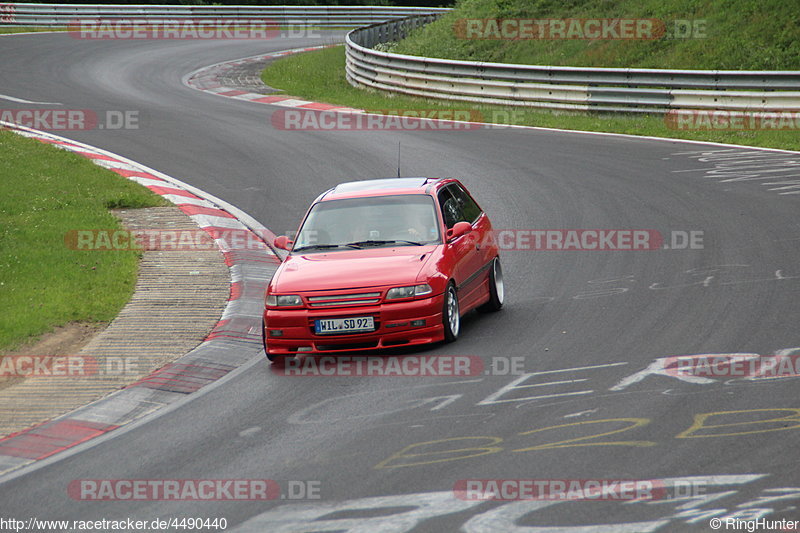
(283, 243)
(461, 228)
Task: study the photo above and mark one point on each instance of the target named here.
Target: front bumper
(392, 322)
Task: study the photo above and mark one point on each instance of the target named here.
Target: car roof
(379, 187)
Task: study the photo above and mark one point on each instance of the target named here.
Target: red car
(382, 263)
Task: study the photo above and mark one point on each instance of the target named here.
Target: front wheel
(451, 317)
(496, 289)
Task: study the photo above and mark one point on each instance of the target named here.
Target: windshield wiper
(324, 247)
(382, 242)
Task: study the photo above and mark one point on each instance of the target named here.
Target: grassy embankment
(739, 34)
(45, 192)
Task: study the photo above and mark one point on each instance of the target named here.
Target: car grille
(344, 300)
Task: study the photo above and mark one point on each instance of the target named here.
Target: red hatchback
(382, 263)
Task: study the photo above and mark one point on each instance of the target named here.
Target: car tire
(496, 288)
(451, 317)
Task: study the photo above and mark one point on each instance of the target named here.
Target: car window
(457, 206)
(409, 217)
(451, 210)
(469, 208)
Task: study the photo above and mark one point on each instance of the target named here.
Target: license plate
(357, 324)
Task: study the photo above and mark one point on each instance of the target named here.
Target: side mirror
(283, 242)
(461, 228)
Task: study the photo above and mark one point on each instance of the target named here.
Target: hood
(351, 269)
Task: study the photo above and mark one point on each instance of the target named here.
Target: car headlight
(284, 300)
(409, 291)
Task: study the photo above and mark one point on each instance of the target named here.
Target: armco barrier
(334, 16)
(569, 88)
(572, 88)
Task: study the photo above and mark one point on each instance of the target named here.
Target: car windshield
(397, 220)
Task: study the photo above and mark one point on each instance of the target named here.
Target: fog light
(304, 348)
(417, 323)
(276, 333)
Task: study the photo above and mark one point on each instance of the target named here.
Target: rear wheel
(451, 317)
(496, 288)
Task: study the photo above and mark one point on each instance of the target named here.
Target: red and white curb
(207, 79)
(235, 340)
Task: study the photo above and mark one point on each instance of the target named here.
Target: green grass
(44, 193)
(319, 76)
(25, 29)
(740, 35)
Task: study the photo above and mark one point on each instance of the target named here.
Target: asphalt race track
(582, 322)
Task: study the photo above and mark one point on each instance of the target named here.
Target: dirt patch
(178, 299)
(63, 340)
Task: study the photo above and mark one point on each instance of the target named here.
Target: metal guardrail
(571, 88)
(340, 16)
